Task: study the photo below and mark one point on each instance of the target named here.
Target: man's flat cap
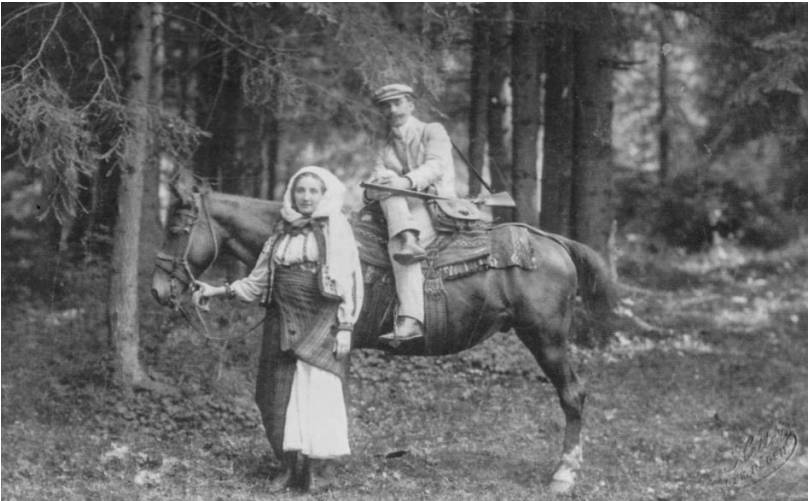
(392, 91)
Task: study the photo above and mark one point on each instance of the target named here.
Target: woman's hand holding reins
(204, 292)
(341, 344)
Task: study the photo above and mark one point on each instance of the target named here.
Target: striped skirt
(299, 392)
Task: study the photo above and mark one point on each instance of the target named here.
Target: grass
(667, 413)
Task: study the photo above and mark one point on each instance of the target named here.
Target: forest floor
(715, 352)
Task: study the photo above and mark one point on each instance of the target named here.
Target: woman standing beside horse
(309, 277)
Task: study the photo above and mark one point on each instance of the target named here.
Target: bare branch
(210, 31)
(230, 30)
(102, 58)
(36, 57)
(26, 12)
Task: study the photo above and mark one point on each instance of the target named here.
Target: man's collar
(405, 130)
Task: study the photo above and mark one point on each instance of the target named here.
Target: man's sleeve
(437, 146)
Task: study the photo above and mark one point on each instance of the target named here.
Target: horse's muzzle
(162, 301)
(162, 287)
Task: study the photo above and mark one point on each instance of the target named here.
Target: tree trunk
(123, 302)
(526, 110)
(92, 211)
(151, 235)
(269, 147)
(592, 169)
(189, 80)
(556, 177)
(226, 128)
(664, 138)
(478, 119)
(151, 231)
(499, 108)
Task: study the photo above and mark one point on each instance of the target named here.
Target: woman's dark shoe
(316, 475)
(286, 476)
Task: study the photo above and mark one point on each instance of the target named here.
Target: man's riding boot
(410, 251)
(406, 329)
(287, 473)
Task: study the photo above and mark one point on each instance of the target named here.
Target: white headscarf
(342, 253)
(331, 202)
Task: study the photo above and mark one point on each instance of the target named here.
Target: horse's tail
(595, 284)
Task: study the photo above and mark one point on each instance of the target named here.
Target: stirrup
(394, 339)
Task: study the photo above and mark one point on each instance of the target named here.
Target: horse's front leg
(551, 354)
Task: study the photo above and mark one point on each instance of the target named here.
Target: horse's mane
(236, 213)
(243, 202)
(185, 183)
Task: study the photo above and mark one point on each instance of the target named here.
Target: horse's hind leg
(550, 351)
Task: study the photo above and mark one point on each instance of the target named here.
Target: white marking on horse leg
(564, 476)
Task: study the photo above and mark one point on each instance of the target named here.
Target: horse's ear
(184, 186)
(201, 186)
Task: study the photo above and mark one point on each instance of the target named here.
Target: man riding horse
(416, 156)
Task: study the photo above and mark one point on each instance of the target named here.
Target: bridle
(178, 269)
(177, 266)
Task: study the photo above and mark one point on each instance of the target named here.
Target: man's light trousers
(407, 213)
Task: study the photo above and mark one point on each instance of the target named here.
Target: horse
(537, 303)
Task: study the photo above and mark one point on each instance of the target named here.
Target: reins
(189, 280)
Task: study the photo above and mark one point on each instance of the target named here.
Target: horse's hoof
(560, 487)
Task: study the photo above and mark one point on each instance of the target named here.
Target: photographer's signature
(762, 455)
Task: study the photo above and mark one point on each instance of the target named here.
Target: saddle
(470, 247)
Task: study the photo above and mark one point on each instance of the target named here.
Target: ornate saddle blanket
(451, 255)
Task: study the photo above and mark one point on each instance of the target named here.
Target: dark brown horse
(537, 304)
